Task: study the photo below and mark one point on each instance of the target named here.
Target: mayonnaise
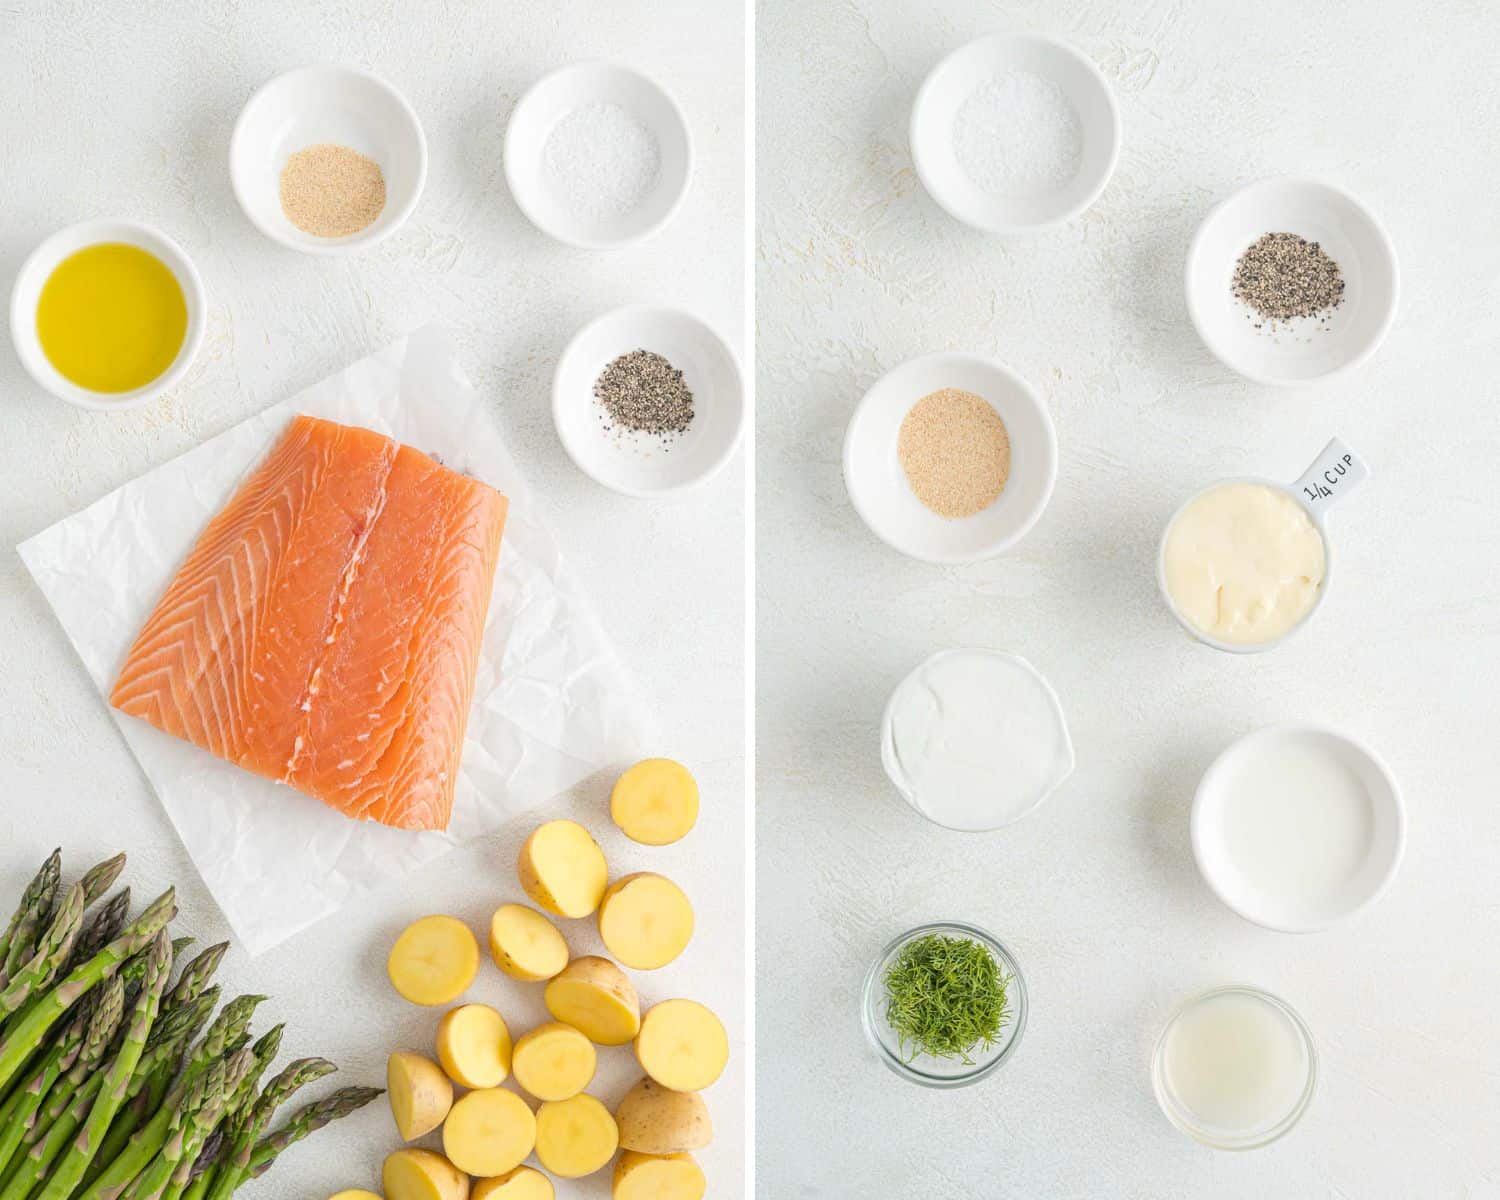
(975, 739)
(1243, 563)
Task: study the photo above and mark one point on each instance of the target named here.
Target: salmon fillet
(325, 630)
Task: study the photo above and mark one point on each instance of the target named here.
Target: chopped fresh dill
(944, 996)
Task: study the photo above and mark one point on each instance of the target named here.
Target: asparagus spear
(99, 878)
(69, 1171)
(235, 1168)
(36, 904)
(197, 1122)
(195, 977)
(228, 1027)
(36, 974)
(20, 1110)
(103, 929)
(22, 1035)
(308, 1120)
(70, 1097)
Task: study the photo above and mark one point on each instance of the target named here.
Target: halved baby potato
(657, 1177)
(645, 920)
(419, 1093)
(554, 1061)
(433, 961)
(525, 945)
(657, 1120)
(563, 869)
(524, 1183)
(682, 1045)
(655, 802)
(575, 1137)
(595, 997)
(489, 1132)
(422, 1175)
(473, 1044)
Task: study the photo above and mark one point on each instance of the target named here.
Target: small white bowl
(639, 464)
(1309, 349)
(878, 486)
(954, 79)
(1335, 473)
(1349, 886)
(311, 106)
(553, 97)
(39, 266)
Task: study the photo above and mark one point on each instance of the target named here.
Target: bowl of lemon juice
(107, 314)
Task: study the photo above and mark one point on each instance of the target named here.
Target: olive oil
(111, 318)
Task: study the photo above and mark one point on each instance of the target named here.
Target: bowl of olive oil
(107, 314)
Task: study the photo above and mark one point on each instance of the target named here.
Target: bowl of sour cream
(975, 739)
(1246, 562)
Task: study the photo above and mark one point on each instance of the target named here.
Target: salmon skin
(325, 630)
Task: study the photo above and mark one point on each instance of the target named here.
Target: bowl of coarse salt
(1015, 132)
(598, 155)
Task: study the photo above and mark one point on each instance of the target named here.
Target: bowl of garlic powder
(950, 458)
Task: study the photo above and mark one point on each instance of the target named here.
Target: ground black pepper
(1282, 277)
(644, 393)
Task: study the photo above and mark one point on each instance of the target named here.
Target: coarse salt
(1017, 134)
(600, 162)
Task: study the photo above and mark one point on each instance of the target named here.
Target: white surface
(1305, 349)
(313, 106)
(939, 104)
(109, 110)
(1096, 892)
(565, 91)
(974, 739)
(26, 294)
(884, 497)
(1297, 827)
(552, 704)
(639, 463)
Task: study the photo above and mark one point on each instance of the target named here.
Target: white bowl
(954, 79)
(878, 486)
(1349, 883)
(1309, 349)
(565, 90)
(313, 105)
(639, 464)
(39, 266)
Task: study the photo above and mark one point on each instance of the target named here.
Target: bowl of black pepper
(1290, 281)
(648, 400)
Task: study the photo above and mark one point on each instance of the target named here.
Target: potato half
(563, 870)
(594, 996)
(657, 1177)
(554, 1061)
(419, 1092)
(645, 920)
(682, 1045)
(489, 1132)
(433, 961)
(655, 802)
(656, 1120)
(422, 1175)
(524, 1183)
(525, 945)
(473, 1044)
(575, 1137)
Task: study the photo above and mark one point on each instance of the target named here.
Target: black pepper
(1283, 277)
(644, 393)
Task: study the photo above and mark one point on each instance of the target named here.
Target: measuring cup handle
(1335, 473)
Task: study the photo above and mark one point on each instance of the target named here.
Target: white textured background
(1097, 892)
(111, 109)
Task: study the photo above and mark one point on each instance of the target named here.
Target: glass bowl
(1222, 1136)
(924, 1068)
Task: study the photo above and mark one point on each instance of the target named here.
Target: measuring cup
(1335, 473)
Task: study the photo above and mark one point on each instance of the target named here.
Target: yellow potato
(594, 996)
(422, 1175)
(433, 961)
(656, 1120)
(419, 1092)
(645, 920)
(563, 869)
(473, 1045)
(354, 1194)
(489, 1132)
(655, 802)
(657, 1177)
(554, 1061)
(682, 1045)
(525, 945)
(524, 1183)
(575, 1137)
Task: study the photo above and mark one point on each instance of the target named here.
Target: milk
(1234, 1063)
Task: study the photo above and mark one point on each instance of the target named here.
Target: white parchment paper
(551, 706)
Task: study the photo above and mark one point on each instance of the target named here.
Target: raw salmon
(325, 629)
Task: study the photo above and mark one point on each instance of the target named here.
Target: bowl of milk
(1297, 827)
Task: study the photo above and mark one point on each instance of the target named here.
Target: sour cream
(1243, 563)
(975, 739)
